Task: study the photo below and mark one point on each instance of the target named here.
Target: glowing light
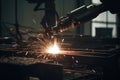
(54, 49)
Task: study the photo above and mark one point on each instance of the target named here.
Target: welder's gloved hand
(112, 5)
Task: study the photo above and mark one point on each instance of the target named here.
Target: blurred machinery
(92, 59)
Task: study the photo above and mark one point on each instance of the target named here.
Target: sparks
(54, 49)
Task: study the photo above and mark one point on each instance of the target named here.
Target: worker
(112, 5)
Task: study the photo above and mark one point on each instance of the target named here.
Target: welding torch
(77, 16)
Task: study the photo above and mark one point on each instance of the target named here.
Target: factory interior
(59, 40)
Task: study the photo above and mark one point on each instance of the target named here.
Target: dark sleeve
(112, 5)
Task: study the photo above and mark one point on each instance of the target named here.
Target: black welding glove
(112, 5)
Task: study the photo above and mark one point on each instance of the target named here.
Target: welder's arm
(112, 5)
(78, 16)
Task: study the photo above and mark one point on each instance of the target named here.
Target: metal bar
(0, 19)
(104, 22)
(18, 35)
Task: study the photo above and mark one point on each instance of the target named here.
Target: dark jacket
(112, 5)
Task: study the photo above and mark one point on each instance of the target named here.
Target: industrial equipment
(92, 59)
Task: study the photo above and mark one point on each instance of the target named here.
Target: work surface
(72, 63)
